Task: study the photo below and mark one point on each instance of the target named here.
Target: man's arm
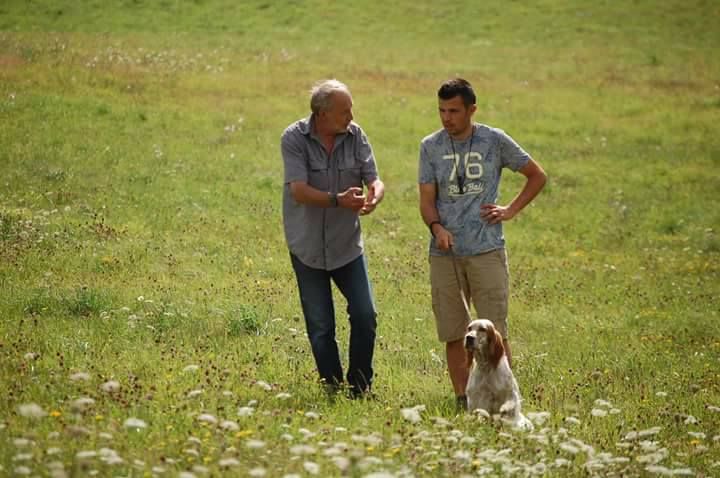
(536, 179)
(303, 193)
(429, 213)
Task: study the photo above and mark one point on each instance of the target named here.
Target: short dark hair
(457, 87)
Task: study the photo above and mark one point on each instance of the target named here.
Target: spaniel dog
(492, 387)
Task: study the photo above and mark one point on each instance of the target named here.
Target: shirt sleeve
(367, 159)
(511, 154)
(426, 172)
(294, 156)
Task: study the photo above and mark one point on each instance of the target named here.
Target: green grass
(141, 238)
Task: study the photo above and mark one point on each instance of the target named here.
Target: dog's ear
(495, 346)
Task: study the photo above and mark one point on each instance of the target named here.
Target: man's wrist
(333, 197)
(430, 226)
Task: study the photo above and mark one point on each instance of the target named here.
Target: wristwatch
(333, 199)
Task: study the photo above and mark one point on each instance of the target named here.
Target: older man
(327, 160)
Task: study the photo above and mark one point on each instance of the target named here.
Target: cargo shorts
(484, 279)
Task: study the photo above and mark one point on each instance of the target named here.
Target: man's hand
(495, 214)
(443, 238)
(376, 192)
(352, 198)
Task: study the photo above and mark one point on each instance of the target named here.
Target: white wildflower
(133, 422)
(690, 420)
(698, 435)
(245, 411)
(683, 472)
(31, 410)
(598, 412)
(158, 470)
(22, 442)
(227, 393)
(654, 458)
(582, 446)
(86, 454)
(22, 470)
(370, 440)
(53, 450)
(287, 437)
(572, 420)
(82, 404)
(658, 470)
(413, 414)
(32, 356)
(203, 470)
(341, 462)
(538, 418)
(264, 385)
(257, 472)
(207, 418)
(255, 444)
(306, 433)
(312, 468)
(602, 403)
(369, 461)
(661, 394)
(228, 462)
(614, 411)
(481, 414)
(713, 408)
(649, 445)
(194, 393)
(22, 457)
(642, 434)
(186, 474)
(302, 450)
(110, 457)
(191, 368)
(283, 396)
(439, 422)
(229, 425)
(110, 386)
(462, 455)
(80, 377)
(569, 448)
(312, 415)
(191, 451)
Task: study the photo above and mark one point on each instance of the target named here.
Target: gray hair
(321, 93)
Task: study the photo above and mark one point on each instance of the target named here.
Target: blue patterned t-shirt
(459, 196)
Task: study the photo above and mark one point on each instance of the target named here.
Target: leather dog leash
(460, 288)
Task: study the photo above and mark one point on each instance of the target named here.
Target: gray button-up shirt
(324, 238)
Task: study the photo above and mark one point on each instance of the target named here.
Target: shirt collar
(306, 126)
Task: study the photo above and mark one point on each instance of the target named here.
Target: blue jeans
(317, 304)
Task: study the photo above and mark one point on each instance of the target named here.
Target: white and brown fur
(492, 387)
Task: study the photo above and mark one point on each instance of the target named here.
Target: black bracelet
(431, 225)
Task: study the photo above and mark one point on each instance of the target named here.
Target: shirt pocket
(318, 174)
(350, 173)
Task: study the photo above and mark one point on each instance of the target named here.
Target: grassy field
(149, 320)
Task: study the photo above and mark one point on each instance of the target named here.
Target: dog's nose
(469, 342)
